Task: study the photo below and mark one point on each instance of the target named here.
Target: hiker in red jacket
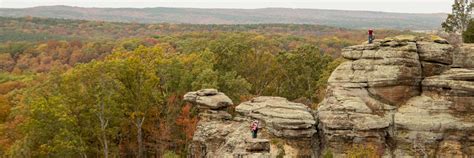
(371, 36)
(254, 128)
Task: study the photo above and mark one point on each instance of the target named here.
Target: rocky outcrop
(216, 134)
(389, 69)
(439, 122)
(396, 97)
(281, 117)
(223, 138)
(292, 124)
(400, 96)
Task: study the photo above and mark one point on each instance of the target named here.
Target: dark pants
(254, 133)
(371, 38)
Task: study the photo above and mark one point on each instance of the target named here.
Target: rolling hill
(338, 18)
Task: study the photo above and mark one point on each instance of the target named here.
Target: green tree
(141, 86)
(301, 69)
(52, 129)
(458, 20)
(94, 86)
(468, 35)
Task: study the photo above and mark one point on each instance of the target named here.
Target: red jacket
(371, 32)
(254, 126)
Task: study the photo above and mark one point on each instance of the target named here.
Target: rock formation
(284, 126)
(464, 58)
(280, 117)
(208, 99)
(401, 97)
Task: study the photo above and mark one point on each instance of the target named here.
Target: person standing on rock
(371, 36)
(254, 128)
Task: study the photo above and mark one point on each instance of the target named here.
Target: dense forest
(73, 88)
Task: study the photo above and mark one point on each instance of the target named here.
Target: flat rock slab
(257, 145)
(208, 99)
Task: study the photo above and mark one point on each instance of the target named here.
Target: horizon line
(223, 8)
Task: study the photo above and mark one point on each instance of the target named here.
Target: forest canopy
(72, 88)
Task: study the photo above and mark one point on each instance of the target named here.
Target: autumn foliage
(72, 88)
(187, 122)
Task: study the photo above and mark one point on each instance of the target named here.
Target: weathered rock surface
(280, 116)
(383, 68)
(400, 95)
(217, 138)
(217, 135)
(435, 52)
(257, 145)
(441, 120)
(220, 135)
(208, 99)
(435, 57)
(465, 58)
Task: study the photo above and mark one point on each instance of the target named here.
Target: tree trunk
(140, 142)
(106, 146)
(103, 126)
(139, 124)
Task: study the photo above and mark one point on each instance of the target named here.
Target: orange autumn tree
(187, 122)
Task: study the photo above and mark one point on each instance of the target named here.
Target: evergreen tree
(458, 20)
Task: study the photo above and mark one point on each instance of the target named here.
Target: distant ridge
(338, 18)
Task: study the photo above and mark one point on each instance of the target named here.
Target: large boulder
(208, 99)
(280, 116)
(435, 52)
(435, 57)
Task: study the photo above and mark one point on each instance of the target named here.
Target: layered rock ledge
(281, 117)
(401, 96)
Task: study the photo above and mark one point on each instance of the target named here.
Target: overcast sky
(409, 6)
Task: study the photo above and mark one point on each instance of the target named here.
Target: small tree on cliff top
(457, 21)
(468, 35)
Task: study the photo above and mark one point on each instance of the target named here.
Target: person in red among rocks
(254, 128)
(371, 36)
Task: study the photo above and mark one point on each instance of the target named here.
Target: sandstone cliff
(400, 96)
